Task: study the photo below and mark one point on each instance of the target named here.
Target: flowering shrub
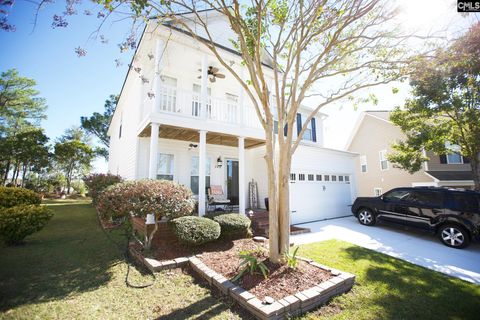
(10, 197)
(160, 197)
(98, 182)
(20, 221)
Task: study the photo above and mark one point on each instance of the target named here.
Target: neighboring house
(176, 121)
(372, 138)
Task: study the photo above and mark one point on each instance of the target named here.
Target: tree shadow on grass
(70, 255)
(405, 291)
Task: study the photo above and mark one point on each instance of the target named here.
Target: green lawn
(70, 270)
(390, 288)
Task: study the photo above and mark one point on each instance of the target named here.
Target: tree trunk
(273, 225)
(24, 174)
(7, 171)
(283, 175)
(15, 171)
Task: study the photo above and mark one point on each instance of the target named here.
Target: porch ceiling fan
(213, 73)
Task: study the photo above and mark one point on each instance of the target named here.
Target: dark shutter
(285, 130)
(299, 124)
(466, 160)
(314, 131)
(443, 159)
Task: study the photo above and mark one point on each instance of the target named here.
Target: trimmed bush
(195, 230)
(139, 198)
(20, 221)
(10, 197)
(233, 225)
(98, 182)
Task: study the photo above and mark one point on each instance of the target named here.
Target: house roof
(451, 175)
(383, 115)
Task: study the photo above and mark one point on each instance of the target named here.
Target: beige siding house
(372, 138)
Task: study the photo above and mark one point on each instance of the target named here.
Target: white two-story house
(182, 117)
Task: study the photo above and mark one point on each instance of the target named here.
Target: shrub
(98, 182)
(195, 230)
(10, 197)
(233, 225)
(139, 198)
(20, 221)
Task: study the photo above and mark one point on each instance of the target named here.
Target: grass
(390, 288)
(70, 270)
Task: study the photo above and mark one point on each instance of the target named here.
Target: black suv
(453, 214)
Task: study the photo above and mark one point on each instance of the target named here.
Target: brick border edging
(292, 305)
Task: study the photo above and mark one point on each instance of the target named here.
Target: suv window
(396, 195)
(427, 198)
(465, 202)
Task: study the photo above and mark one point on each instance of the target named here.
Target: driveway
(411, 245)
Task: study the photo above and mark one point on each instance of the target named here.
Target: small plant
(251, 264)
(195, 231)
(291, 258)
(18, 222)
(233, 225)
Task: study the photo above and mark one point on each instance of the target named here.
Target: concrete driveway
(411, 245)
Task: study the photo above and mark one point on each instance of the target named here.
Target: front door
(232, 181)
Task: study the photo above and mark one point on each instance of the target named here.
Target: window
(363, 164)
(194, 180)
(334, 178)
(383, 160)
(327, 177)
(455, 157)
(377, 192)
(319, 177)
(301, 177)
(168, 94)
(347, 178)
(311, 177)
(197, 99)
(120, 131)
(308, 134)
(465, 202)
(426, 198)
(165, 166)
(396, 195)
(293, 176)
(340, 178)
(232, 103)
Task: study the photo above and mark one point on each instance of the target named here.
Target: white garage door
(319, 196)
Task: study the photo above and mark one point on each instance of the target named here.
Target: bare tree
(322, 50)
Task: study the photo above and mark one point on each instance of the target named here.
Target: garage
(317, 196)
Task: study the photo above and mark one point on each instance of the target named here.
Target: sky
(78, 86)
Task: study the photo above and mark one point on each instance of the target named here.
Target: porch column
(152, 167)
(241, 100)
(159, 48)
(202, 154)
(204, 91)
(241, 175)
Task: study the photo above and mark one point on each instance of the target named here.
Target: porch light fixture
(191, 145)
(219, 162)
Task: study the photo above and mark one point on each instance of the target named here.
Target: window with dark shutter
(299, 124)
(443, 159)
(314, 130)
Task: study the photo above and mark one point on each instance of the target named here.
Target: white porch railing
(188, 103)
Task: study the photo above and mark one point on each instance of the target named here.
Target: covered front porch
(198, 159)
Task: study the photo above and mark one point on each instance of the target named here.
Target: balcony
(177, 107)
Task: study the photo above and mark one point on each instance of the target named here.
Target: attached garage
(322, 184)
(318, 196)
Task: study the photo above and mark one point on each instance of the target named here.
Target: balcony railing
(188, 103)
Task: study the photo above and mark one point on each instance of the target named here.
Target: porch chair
(216, 198)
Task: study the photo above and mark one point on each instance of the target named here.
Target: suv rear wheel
(454, 236)
(366, 217)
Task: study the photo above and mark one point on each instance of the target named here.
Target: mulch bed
(223, 257)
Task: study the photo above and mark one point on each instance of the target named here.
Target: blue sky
(72, 86)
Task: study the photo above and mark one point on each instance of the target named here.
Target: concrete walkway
(411, 245)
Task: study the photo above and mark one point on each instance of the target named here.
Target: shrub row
(139, 198)
(21, 214)
(98, 182)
